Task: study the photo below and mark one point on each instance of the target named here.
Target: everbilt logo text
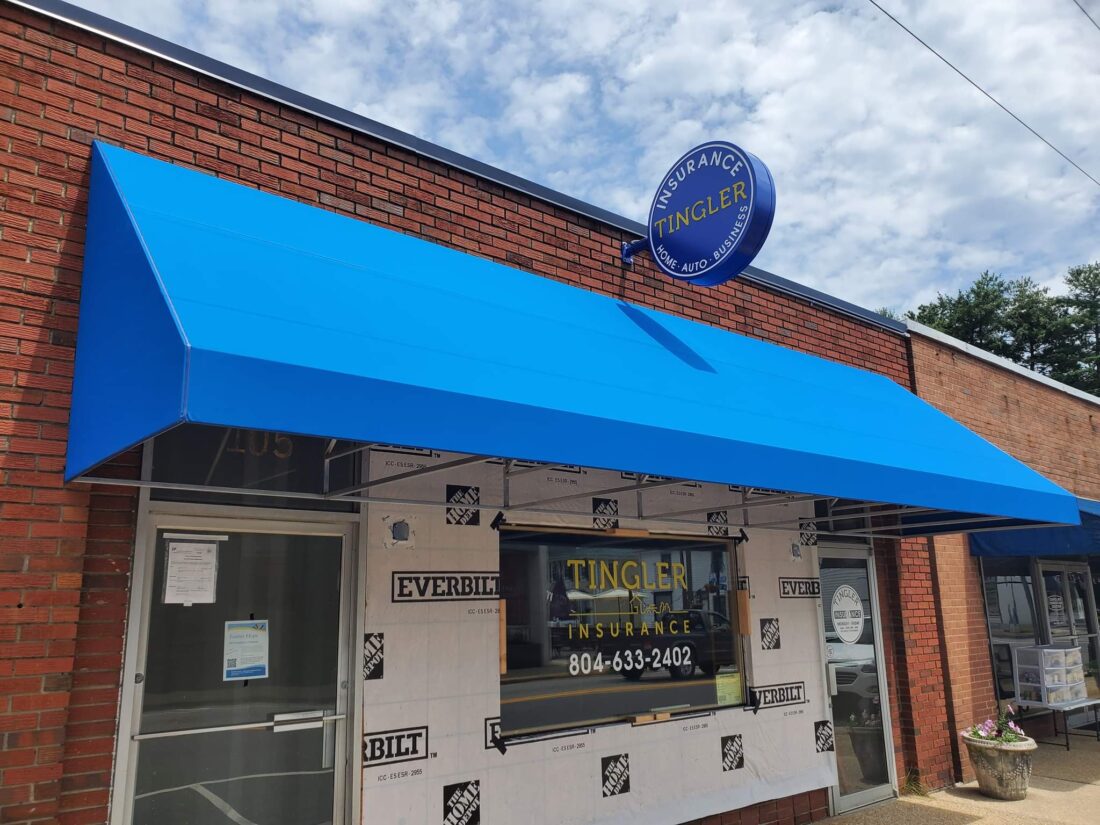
(774, 696)
(445, 586)
(799, 588)
(385, 747)
(616, 774)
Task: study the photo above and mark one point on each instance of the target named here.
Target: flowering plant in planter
(1003, 729)
(1000, 753)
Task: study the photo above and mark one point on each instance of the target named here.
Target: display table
(1064, 708)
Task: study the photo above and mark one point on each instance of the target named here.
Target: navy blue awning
(208, 302)
(1080, 540)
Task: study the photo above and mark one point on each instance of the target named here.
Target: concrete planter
(1003, 768)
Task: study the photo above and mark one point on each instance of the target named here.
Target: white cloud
(895, 178)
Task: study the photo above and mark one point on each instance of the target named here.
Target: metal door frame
(1063, 567)
(1092, 623)
(157, 515)
(839, 804)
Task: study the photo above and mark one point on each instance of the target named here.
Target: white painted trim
(998, 361)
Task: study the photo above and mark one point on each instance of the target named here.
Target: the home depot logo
(385, 747)
(799, 588)
(615, 773)
(823, 735)
(769, 634)
(462, 803)
(733, 753)
(373, 655)
(718, 523)
(465, 500)
(605, 513)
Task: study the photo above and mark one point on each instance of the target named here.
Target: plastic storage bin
(1048, 675)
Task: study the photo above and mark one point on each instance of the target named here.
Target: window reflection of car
(709, 641)
(855, 674)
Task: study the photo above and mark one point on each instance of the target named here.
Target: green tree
(1039, 330)
(976, 315)
(1082, 303)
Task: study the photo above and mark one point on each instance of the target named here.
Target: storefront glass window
(601, 628)
(1010, 610)
(240, 459)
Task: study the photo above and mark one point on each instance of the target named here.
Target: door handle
(302, 720)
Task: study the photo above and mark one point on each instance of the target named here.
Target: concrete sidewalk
(1065, 789)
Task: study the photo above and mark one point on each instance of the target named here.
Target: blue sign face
(711, 214)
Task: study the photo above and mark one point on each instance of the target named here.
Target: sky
(895, 178)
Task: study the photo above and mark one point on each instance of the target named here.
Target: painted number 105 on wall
(625, 661)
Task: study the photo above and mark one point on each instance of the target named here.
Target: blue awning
(1081, 540)
(208, 302)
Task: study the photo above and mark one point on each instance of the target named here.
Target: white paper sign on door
(245, 651)
(191, 572)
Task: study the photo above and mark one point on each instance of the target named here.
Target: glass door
(240, 698)
(856, 681)
(1070, 611)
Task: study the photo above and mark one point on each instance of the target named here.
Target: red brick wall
(65, 552)
(792, 810)
(1055, 433)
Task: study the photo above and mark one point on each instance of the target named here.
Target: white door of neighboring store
(238, 676)
(856, 679)
(1069, 613)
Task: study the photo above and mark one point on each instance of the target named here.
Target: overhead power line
(1000, 105)
(1085, 12)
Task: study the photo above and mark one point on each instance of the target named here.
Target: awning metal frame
(370, 491)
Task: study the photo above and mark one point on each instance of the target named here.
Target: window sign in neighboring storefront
(603, 628)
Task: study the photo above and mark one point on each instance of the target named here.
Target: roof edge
(181, 55)
(998, 361)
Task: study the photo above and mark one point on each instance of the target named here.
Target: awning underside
(205, 302)
(1080, 540)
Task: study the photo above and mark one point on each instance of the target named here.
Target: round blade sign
(711, 214)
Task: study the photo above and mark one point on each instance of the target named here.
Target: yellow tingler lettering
(575, 566)
(682, 219)
(679, 575)
(739, 191)
(630, 582)
(646, 583)
(695, 207)
(609, 579)
(724, 198)
(662, 575)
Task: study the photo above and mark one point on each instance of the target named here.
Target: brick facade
(1050, 430)
(66, 551)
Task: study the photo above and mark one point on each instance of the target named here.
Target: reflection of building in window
(605, 627)
(1010, 611)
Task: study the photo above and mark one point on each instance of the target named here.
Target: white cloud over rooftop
(895, 178)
